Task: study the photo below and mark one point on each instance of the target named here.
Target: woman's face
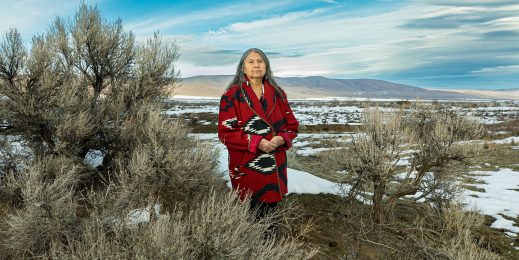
(254, 66)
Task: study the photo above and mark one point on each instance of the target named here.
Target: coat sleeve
(230, 131)
(289, 132)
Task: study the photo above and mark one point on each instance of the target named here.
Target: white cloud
(189, 69)
(470, 2)
(242, 29)
(167, 21)
(505, 23)
(498, 70)
(329, 1)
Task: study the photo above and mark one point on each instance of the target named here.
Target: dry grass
(508, 128)
(498, 155)
(217, 228)
(54, 221)
(345, 231)
(458, 237)
(48, 210)
(337, 128)
(450, 233)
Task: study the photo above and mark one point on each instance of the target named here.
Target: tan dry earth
(215, 88)
(201, 88)
(503, 94)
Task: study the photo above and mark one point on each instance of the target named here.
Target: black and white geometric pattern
(265, 163)
(230, 122)
(257, 126)
(238, 174)
(279, 124)
(246, 97)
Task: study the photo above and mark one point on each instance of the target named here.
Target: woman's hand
(266, 146)
(277, 141)
(269, 146)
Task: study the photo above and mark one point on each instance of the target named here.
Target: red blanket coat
(242, 122)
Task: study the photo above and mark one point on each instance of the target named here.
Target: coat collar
(253, 101)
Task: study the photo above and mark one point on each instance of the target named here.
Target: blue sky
(426, 43)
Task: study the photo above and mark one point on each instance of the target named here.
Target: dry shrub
(458, 234)
(161, 165)
(164, 163)
(79, 84)
(48, 214)
(219, 227)
(439, 140)
(12, 157)
(449, 234)
(49, 224)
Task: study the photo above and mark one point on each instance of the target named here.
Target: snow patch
(94, 158)
(304, 182)
(138, 216)
(312, 151)
(499, 197)
(507, 140)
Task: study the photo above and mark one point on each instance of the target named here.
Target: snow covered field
(318, 112)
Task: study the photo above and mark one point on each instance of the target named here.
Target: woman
(257, 125)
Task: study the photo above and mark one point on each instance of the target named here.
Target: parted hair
(239, 77)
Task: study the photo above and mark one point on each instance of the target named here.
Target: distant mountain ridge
(317, 86)
(512, 94)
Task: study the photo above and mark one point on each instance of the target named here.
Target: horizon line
(318, 76)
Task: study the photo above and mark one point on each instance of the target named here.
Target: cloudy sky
(426, 43)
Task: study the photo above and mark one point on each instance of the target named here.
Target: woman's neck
(255, 83)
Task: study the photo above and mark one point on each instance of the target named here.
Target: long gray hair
(239, 77)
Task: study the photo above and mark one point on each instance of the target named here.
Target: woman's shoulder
(231, 91)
